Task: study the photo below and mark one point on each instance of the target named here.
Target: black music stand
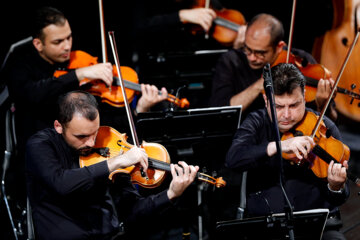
(308, 225)
(195, 132)
(190, 125)
(197, 136)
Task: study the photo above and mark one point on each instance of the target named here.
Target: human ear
(265, 99)
(38, 44)
(280, 46)
(58, 127)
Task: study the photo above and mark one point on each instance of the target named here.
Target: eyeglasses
(257, 53)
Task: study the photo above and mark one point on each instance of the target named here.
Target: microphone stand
(268, 86)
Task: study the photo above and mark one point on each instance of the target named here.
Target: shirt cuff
(333, 191)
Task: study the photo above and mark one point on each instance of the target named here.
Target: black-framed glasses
(257, 53)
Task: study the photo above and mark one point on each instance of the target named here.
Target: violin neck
(160, 165)
(226, 23)
(320, 152)
(130, 85)
(314, 83)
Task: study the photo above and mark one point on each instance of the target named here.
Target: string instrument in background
(326, 148)
(331, 48)
(110, 143)
(111, 95)
(313, 73)
(225, 25)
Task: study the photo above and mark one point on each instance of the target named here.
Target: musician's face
(56, 46)
(80, 133)
(290, 109)
(257, 47)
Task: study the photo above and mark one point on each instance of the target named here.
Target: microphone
(268, 84)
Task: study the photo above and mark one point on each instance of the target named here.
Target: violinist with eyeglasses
(238, 72)
(254, 150)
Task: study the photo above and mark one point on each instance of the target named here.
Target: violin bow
(291, 31)
(120, 79)
(335, 84)
(207, 5)
(102, 35)
(102, 32)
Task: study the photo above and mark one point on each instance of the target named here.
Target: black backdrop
(313, 18)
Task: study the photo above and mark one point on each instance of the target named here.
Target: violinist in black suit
(254, 150)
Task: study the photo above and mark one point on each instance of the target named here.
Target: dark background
(313, 18)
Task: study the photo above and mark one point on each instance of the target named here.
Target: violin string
(160, 164)
(153, 162)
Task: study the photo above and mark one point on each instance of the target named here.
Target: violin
(312, 73)
(326, 148)
(110, 143)
(226, 23)
(111, 95)
(331, 48)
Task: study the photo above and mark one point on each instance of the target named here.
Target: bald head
(266, 26)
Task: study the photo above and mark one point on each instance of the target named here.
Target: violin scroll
(182, 103)
(217, 182)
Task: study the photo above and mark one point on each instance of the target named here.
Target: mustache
(84, 151)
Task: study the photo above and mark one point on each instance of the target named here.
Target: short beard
(85, 151)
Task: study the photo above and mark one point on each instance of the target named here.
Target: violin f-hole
(344, 41)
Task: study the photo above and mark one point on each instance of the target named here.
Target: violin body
(325, 150)
(331, 50)
(112, 95)
(116, 143)
(225, 25)
(78, 59)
